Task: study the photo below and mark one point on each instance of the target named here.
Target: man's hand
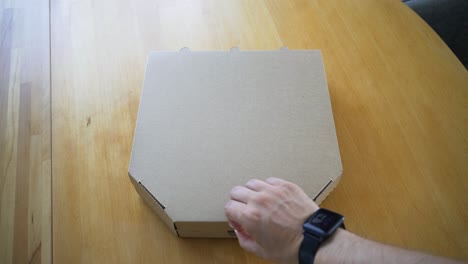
(268, 216)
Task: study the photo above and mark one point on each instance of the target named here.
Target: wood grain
(398, 95)
(25, 150)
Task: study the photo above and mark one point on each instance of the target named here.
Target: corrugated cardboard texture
(211, 120)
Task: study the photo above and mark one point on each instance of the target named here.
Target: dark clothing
(449, 18)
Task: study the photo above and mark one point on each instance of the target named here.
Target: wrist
(291, 256)
(335, 247)
(319, 230)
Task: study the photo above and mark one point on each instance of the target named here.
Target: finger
(242, 194)
(257, 185)
(234, 210)
(249, 244)
(238, 228)
(234, 225)
(276, 181)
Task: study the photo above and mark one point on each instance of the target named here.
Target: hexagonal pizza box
(210, 120)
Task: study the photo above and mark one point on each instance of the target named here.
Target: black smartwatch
(320, 226)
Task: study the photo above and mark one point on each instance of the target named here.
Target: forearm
(269, 219)
(345, 247)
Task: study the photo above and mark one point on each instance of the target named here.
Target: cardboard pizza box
(211, 120)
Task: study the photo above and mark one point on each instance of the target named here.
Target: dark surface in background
(449, 18)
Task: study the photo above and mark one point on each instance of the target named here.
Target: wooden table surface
(71, 74)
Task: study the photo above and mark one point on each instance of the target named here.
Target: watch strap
(308, 249)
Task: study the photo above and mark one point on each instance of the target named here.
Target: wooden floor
(70, 79)
(25, 135)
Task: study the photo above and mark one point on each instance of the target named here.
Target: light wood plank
(398, 96)
(25, 150)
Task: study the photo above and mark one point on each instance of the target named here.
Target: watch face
(325, 220)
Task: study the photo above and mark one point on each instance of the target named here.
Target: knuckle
(235, 189)
(252, 182)
(278, 192)
(227, 206)
(253, 215)
(290, 187)
(261, 199)
(271, 179)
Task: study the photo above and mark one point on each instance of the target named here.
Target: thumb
(245, 240)
(248, 243)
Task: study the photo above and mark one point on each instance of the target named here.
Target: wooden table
(70, 81)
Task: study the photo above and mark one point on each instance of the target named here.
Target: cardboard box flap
(209, 121)
(153, 203)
